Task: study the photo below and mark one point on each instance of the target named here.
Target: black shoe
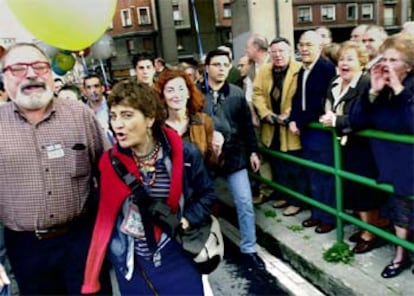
(364, 246)
(253, 260)
(324, 228)
(395, 268)
(311, 222)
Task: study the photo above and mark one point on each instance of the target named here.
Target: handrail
(339, 174)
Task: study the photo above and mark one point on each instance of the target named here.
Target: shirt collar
(310, 67)
(353, 83)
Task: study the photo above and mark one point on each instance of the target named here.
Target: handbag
(204, 244)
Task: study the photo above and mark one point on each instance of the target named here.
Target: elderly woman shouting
(344, 91)
(389, 106)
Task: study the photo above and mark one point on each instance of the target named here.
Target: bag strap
(123, 173)
(158, 210)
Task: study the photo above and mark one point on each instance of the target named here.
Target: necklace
(147, 164)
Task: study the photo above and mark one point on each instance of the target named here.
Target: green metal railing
(339, 174)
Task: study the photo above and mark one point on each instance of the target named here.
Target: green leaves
(339, 252)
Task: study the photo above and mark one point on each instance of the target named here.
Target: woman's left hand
(184, 223)
(328, 119)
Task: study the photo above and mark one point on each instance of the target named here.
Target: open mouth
(121, 137)
(33, 87)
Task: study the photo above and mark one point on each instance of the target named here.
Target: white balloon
(49, 50)
(104, 48)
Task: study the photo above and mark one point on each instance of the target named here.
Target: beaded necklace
(147, 164)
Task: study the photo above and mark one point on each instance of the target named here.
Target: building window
(144, 17)
(389, 16)
(229, 36)
(130, 44)
(328, 13)
(126, 17)
(367, 11)
(177, 15)
(227, 10)
(352, 12)
(147, 44)
(304, 14)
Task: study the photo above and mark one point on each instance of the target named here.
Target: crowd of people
(69, 217)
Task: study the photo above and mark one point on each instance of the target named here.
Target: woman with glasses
(389, 106)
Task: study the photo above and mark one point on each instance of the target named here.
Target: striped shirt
(46, 169)
(159, 191)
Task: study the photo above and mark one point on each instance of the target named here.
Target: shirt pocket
(78, 161)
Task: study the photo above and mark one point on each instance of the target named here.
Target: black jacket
(232, 118)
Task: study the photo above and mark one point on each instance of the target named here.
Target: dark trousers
(177, 275)
(317, 147)
(288, 174)
(52, 266)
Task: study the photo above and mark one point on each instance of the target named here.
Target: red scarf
(113, 192)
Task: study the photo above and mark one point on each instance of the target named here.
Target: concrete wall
(167, 33)
(269, 18)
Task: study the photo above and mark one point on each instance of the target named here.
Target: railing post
(337, 155)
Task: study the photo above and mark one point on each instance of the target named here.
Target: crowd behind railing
(68, 218)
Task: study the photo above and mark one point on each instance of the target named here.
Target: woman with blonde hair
(350, 85)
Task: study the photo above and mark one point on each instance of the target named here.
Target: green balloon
(64, 60)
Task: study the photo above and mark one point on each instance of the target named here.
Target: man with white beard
(49, 150)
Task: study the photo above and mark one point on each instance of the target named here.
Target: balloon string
(85, 67)
(199, 43)
(103, 73)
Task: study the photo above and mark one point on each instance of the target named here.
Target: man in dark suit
(307, 106)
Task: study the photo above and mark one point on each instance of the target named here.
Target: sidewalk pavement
(302, 249)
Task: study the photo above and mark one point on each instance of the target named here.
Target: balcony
(390, 2)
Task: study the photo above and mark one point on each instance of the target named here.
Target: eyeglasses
(225, 65)
(20, 70)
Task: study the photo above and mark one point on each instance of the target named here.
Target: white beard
(33, 101)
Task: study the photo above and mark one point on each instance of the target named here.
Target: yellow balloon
(65, 24)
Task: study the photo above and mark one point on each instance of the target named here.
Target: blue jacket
(394, 114)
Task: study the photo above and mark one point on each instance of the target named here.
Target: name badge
(132, 224)
(55, 151)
